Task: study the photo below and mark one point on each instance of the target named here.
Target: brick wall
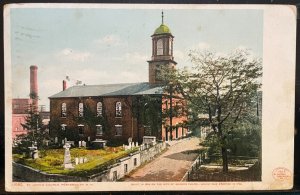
(129, 124)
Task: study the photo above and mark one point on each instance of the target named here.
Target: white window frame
(81, 126)
(99, 109)
(63, 109)
(63, 127)
(80, 109)
(118, 109)
(119, 130)
(98, 126)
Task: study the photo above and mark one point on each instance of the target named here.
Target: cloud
(109, 40)
(202, 46)
(73, 55)
(135, 58)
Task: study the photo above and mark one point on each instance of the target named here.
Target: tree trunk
(224, 160)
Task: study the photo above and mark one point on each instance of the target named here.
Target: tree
(36, 131)
(219, 91)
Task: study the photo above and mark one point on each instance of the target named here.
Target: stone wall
(149, 153)
(113, 173)
(33, 175)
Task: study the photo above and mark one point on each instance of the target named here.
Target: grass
(216, 174)
(51, 160)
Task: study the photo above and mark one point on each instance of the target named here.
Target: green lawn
(51, 160)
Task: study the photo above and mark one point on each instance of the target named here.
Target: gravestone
(129, 140)
(35, 154)
(76, 161)
(56, 140)
(83, 143)
(89, 138)
(79, 144)
(136, 144)
(67, 157)
(80, 160)
(85, 160)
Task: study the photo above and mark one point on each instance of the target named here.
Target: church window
(118, 130)
(63, 110)
(99, 129)
(99, 109)
(118, 109)
(80, 110)
(63, 127)
(160, 47)
(81, 129)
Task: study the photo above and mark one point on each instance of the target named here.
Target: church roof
(121, 89)
(162, 29)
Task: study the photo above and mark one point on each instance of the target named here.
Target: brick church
(116, 112)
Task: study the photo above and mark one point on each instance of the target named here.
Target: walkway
(171, 165)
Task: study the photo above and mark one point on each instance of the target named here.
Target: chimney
(34, 86)
(64, 85)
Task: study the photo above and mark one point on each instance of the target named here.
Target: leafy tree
(36, 131)
(220, 92)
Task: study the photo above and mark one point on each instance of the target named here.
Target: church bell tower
(162, 52)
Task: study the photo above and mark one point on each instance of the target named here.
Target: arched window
(63, 110)
(118, 109)
(80, 109)
(160, 47)
(63, 127)
(99, 109)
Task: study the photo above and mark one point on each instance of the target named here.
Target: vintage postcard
(115, 97)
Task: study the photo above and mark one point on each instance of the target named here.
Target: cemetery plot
(85, 162)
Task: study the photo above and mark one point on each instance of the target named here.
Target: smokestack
(64, 85)
(34, 86)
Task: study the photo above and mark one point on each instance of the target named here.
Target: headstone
(63, 141)
(76, 161)
(129, 145)
(129, 140)
(66, 140)
(67, 157)
(136, 144)
(79, 144)
(80, 160)
(85, 160)
(89, 138)
(83, 143)
(35, 154)
(123, 146)
(56, 140)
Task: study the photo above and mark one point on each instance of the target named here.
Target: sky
(101, 46)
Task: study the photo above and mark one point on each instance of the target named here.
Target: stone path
(171, 165)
